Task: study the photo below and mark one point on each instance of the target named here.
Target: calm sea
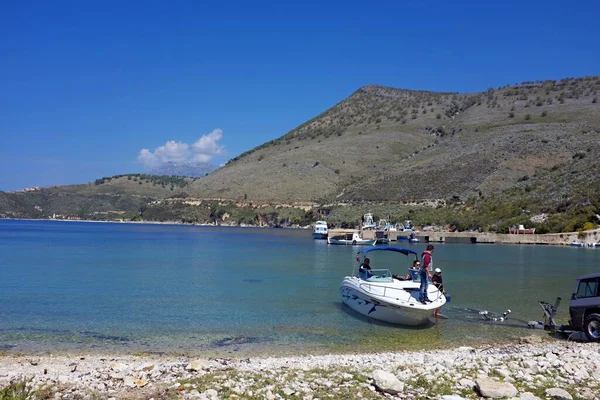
(75, 286)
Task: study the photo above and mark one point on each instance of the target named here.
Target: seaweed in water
(102, 336)
(231, 341)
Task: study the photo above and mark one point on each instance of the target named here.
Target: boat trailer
(549, 322)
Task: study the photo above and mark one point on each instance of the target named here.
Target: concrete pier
(486, 237)
(480, 237)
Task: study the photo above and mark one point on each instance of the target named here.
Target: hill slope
(383, 144)
(482, 160)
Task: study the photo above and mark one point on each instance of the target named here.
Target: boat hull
(411, 313)
(321, 236)
(347, 242)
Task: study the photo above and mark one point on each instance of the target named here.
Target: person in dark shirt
(415, 266)
(364, 271)
(437, 281)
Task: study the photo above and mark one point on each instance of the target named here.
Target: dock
(475, 237)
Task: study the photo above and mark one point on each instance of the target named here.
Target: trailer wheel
(591, 327)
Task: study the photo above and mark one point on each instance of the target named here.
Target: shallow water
(68, 286)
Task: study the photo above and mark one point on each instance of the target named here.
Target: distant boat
(576, 243)
(368, 222)
(521, 230)
(321, 230)
(352, 239)
(412, 238)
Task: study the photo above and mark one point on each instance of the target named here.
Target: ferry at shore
(320, 231)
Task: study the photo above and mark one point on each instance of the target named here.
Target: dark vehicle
(584, 309)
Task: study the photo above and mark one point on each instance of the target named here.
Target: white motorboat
(352, 239)
(576, 243)
(383, 297)
(368, 222)
(321, 230)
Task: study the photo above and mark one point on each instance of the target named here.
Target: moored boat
(320, 231)
(368, 222)
(353, 239)
(387, 298)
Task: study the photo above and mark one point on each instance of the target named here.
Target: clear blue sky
(86, 85)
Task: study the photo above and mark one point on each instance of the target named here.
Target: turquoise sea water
(169, 288)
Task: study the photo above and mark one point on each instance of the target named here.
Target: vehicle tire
(591, 327)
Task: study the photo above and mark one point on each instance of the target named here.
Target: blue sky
(86, 86)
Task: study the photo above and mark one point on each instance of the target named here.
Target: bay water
(110, 287)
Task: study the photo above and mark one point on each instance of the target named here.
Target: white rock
(494, 389)
(452, 397)
(558, 394)
(387, 382)
(287, 391)
(128, 381)
(198, 365)
(210, 394)
(581, 374)
(526, 396)
(119, 367)
(504, 372)
(466, 383)
(145, 367)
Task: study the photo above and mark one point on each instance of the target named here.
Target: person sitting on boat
(416, 266)
(364, 271)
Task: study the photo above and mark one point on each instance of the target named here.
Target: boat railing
(376, 284)
(383, 291)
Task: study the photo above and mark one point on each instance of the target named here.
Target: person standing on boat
(425, 273)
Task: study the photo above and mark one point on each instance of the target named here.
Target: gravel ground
(529, 369)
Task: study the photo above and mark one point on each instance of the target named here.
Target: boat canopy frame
(396, 249)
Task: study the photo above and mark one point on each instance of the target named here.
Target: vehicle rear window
(588, 288)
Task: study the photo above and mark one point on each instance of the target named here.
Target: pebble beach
(532, 368)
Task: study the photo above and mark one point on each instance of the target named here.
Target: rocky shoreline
(527, 370)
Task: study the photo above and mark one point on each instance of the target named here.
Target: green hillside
(474, 161)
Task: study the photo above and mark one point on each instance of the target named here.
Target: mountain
(192, 169)
(385, 144)
(524, 153)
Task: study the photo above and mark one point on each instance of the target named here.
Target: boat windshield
(414, 275)
(380, 275)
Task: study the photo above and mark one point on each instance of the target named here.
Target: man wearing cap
(437, 282)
